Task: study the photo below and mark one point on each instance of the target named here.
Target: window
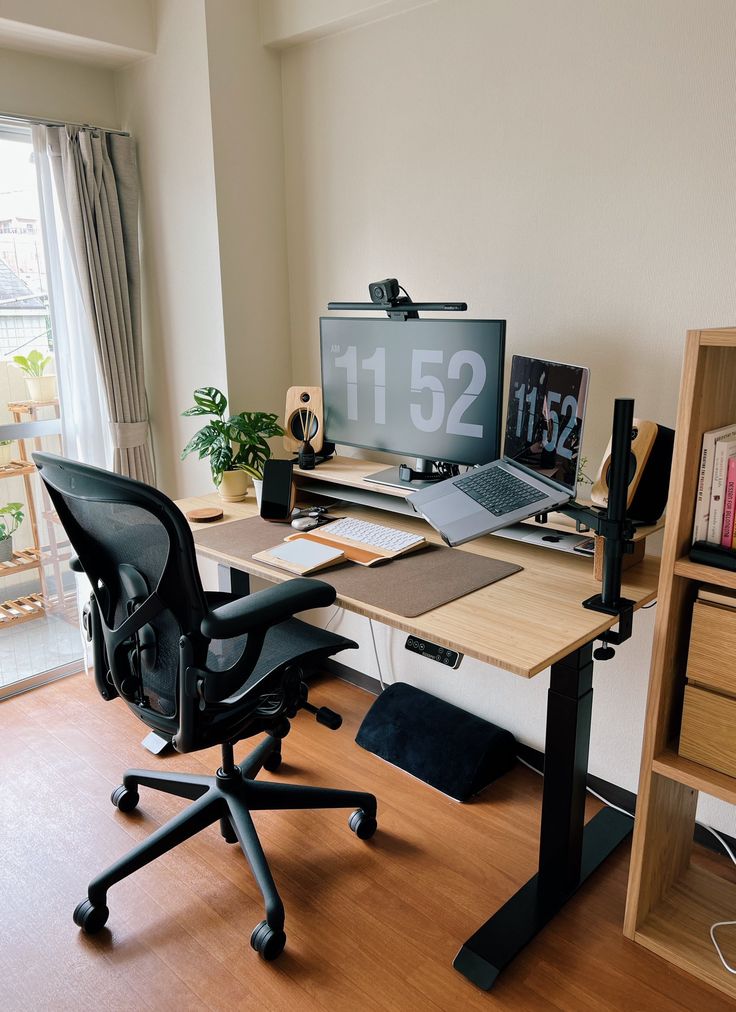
(39, 633)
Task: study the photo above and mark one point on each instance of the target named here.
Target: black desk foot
(506, 933)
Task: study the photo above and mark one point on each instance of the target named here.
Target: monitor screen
(544, 420)
(420, 388)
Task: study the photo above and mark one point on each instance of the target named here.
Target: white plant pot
(6, 454)
(234, 486)
(258, 489)
(6, 549)
(41, 388)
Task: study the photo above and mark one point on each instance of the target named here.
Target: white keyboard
(385, 539)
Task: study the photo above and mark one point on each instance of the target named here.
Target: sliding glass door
(39, 630)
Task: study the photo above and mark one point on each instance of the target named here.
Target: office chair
(199, 668)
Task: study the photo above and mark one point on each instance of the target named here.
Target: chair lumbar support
(228, 797)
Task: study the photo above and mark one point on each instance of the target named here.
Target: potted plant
(6, 453)
(236, 445)
(11, 517)
(33, 366)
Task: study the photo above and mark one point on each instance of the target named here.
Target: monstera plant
(236, 445)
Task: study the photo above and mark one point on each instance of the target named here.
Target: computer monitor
(429, 389)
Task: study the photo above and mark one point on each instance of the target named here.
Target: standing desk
(525, 624)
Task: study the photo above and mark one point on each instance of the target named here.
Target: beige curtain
(96, 183)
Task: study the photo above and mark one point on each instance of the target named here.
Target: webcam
(384, 293)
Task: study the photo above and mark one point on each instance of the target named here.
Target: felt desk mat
(408, 586)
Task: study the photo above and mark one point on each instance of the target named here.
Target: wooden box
(708, 733)
(711, 659)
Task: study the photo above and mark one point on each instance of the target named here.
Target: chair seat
(284, 643)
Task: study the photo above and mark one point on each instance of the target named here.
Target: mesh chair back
(138, 553)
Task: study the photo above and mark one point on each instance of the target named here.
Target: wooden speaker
(303, 405)
(649, 472)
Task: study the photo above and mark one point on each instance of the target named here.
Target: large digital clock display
(424, 388)
(544, 417)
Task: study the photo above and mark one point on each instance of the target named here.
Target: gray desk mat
(407, 586)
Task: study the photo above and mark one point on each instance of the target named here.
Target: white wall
(287, 22)
(33, 85)
(95, 30)
(165, 103)
(247, 130)
(567, 166)
(130, 24)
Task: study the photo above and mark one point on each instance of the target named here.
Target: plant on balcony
(11, 517)
(41, 385)
(6, 454)
(236, 445)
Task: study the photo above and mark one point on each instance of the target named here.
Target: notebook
(301, 557)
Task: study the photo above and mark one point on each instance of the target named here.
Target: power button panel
(450, 658)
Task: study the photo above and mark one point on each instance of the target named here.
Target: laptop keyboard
(499, 491)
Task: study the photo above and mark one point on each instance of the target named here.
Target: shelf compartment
(28, 407)
(16, 469)
(28, 558)
(21, 609)
(705, 574)
(679, 927)
(701, 778)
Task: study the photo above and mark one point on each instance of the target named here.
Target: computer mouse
(304, 523)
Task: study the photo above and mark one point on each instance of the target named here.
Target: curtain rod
(54, 122)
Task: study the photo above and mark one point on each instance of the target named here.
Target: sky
(18, 195)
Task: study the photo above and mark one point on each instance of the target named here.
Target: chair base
(229, 797)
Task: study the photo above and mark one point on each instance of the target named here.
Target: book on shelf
(724, 450)
(717, 595)
(705, 480)
(729, 505)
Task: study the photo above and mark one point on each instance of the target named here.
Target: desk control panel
(433, 652)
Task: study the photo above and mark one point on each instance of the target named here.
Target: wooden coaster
(206, 515)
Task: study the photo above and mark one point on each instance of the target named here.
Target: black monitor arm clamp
(613, 525)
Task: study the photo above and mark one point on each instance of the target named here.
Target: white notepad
(301, 556)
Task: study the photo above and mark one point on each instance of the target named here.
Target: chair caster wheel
(268, 943)
(227, 832)
(124, 799)
(90, 919)
(364, 826)
(272, 762)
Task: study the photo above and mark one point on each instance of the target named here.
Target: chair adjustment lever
(324, 715)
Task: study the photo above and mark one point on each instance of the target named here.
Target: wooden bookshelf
(671, 904)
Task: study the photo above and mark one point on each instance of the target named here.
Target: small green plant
(234, 443)
(32, 364)
(11, 517)
(583, 478)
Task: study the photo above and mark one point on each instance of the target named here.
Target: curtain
(85, 433)
(96, 187)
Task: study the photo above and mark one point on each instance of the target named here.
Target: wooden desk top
(522, 624)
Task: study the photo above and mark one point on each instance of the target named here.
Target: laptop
(539, 468)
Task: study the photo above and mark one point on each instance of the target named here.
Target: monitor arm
(614, 526)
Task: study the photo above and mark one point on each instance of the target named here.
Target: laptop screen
(544, 421)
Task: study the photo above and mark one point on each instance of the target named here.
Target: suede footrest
(448, 748)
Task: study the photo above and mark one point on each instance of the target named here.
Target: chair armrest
(266, 608)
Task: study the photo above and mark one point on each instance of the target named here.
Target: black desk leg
(232, 581)
(569, 851)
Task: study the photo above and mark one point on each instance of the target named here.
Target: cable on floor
(714, 832)
(375, 654)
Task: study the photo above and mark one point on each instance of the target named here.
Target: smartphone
(277, 498)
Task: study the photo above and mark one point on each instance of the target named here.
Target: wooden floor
(370, 925)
